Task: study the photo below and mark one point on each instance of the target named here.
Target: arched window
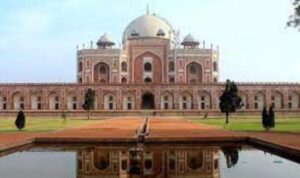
(185, 101)
(124, 67)
(277, 100)
(56, 103)
(111, 102)
(39, 103)
(18, 102)
(171, 66)
(195, 159)
(166, 101)
(124, 80)
(193, 69)
(171, 80)
(129, 103)
(259, 100)
(148, 80)
(147, 67)
(293, 101)
(2, 103)
(103, 70)
(101, 159)
(192, 81)
(74, 104)
(36, 102)
(215, 66)
(80, 67)
(215, 80)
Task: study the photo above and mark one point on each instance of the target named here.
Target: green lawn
(43, 124)
(253, 124)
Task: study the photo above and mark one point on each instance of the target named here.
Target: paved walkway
(159, 130)
(162, 130)
(103, 130)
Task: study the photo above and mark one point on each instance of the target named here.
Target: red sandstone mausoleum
(151, 70)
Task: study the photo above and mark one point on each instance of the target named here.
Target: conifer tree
(20, 120)
(231, 154)
(271, 117)
(89, 101)
(265, 119)
(230, 101)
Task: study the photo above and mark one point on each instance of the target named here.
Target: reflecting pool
(184, 161)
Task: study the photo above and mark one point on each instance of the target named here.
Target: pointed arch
(245, 100)
(147, 65)
(185, 100)
(36, 99)
(18, 101)
(148, 100)
(124, 80)
(128, 101)
(80, 67)
(3, 102)
(194, 72)
(171, 66)
(293, 100)
(204, 100)
(259, 100)
(101, 73)
(72, 101)
(54, 101)
(277, 100)
(124, 66)
(166, 100)
(110, 101)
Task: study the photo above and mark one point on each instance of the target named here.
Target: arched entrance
(148, 101)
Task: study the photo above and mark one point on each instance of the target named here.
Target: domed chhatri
(149, 25)
(105, 41)
(190, 41)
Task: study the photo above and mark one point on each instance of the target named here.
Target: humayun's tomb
(152, 70)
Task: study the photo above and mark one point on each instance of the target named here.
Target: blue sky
(38, 38)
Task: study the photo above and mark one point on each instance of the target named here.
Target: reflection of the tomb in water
(146, 160)
(150, 161)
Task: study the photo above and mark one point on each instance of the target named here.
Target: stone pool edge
(280, 149)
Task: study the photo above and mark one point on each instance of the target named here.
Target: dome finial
(147, 9)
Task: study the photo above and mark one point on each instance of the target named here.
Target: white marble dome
(149, 25)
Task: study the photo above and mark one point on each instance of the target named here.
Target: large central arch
(101, 73)
(147, 65)
(193, 73)
(148, 101)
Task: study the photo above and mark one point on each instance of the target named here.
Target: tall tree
(230, 101)
(271, 117)
(20, 120)
(265, 119)
(89, 101)
(232, 155)
(294, 19)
